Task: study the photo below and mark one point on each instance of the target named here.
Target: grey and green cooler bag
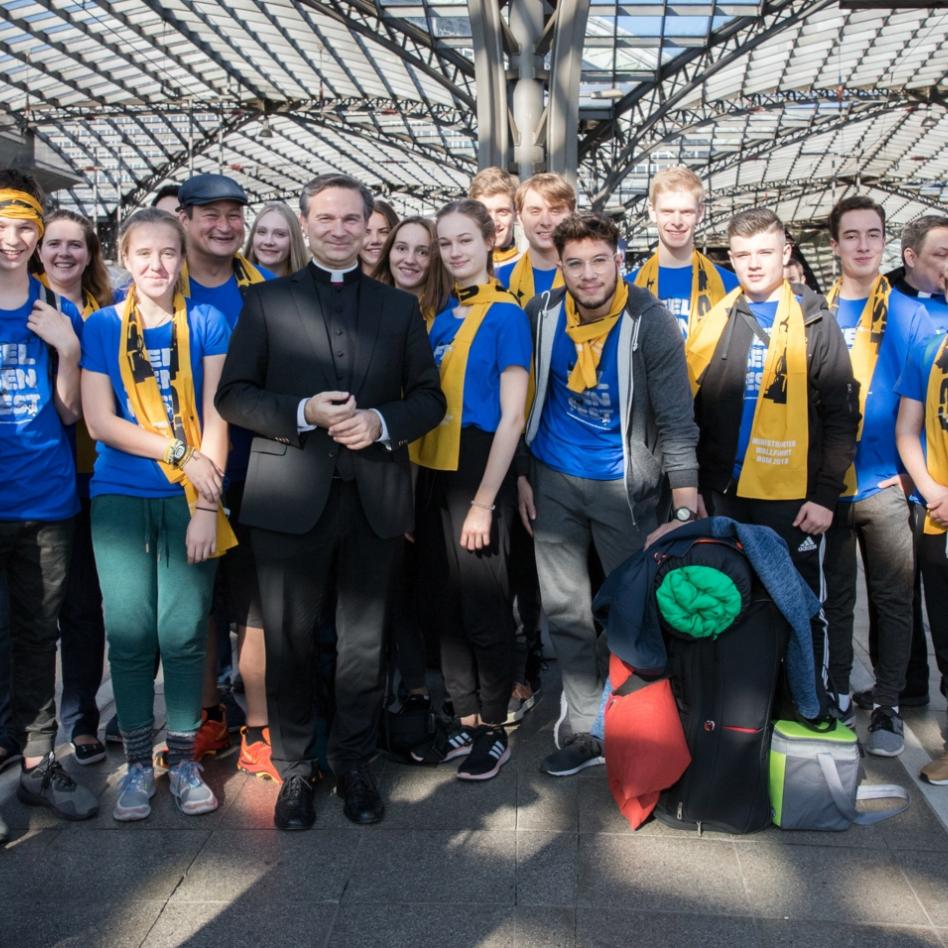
(814, 780)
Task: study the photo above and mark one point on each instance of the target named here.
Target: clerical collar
(349, 275)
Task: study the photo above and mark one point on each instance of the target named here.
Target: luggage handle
(882, 791)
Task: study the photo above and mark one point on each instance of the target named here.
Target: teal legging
(153, 600)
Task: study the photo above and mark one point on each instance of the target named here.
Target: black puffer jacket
(833, 402)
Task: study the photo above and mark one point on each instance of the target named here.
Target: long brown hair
(95, 277)
(436, 289)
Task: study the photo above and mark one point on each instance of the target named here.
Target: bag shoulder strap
(56, 301)
(878, 791)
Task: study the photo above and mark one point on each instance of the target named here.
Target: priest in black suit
(333, 372)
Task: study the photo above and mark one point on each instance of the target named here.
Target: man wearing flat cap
(211, 209)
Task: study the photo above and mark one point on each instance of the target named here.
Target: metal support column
(527, 116)
(493, 123)
(526, 26)
(566, 64)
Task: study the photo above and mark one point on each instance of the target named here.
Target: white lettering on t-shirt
(161, 365)
(20, 397)
(592, 407)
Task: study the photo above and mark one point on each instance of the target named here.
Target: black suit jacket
(279, 354)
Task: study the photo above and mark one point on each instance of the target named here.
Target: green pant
(153, 600)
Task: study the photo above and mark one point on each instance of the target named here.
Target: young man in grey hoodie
(611, 430)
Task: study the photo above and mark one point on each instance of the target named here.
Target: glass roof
(792, 102)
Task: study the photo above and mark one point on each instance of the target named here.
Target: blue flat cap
(207, 188)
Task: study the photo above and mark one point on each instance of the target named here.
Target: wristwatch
(684, 515)
(176, 453)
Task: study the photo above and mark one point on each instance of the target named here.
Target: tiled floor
(522, 860)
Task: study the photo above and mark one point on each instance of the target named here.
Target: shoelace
(134, 779)
(294, 788)
(54, 774)
(359, 781)
(188, 772)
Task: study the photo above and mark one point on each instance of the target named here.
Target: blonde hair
(678, 178)
(298, 253)
(491, 181)
(553, 188)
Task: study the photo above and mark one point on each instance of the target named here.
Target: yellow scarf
(589, 338)
(500, 256)
(865, 351)
(246, 273)
(89, 303)
(20, 206)
(144, 397)
(439, 449)
(775, 466)
(936, 425)
(707, 287)
(521, 280)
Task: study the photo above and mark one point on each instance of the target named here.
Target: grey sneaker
(135, 792)
(578, 753)
(192, 795)
(885, 733)
(49, 785)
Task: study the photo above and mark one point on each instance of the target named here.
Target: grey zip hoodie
(659, 434)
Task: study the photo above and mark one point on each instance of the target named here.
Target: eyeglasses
(600, 264)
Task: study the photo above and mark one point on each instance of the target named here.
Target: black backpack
(725, 689)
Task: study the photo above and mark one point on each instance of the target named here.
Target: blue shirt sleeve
(913, 382)
(514, 346)
(94, 334)
(215, 330)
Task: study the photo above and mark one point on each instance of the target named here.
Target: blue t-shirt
(502, 340)
(229, 299)
(913, 382)
(37, 470)
(756, 357)
(118, 472)
(877, 458)
(580, 433)
(934, 304)
(674, 290)
(542, 279)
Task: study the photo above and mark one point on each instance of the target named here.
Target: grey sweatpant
(571, 513)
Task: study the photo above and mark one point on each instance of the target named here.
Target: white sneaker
(135, 792)
(191, 794)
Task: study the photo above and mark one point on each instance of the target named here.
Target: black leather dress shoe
(362, 803)
(295, 807)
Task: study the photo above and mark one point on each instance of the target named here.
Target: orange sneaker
(212, 736)
(211, 739)
(255, 758)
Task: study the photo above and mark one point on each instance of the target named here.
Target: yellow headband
(21, 206)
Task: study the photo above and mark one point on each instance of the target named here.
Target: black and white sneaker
(489, 753)
(579, 752)
(845, 715)
(445, 745)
